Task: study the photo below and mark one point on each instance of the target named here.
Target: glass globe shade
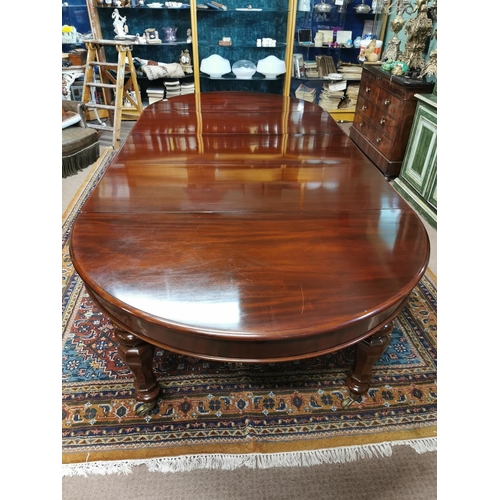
(215, 66)
(244, 69)
(271, 67)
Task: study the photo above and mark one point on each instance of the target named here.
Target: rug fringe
(221, 461)
(422, 445)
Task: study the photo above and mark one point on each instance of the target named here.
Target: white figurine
(318, 39)
(121, 29)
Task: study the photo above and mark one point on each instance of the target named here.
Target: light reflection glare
(388, 226)
(222, 313)
(331, 185)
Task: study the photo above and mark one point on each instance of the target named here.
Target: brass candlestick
(417, 32)
(392, 51)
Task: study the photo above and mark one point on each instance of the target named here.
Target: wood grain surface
(247, 227)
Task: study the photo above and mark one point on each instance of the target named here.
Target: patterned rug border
(227, 456)
(71, 282)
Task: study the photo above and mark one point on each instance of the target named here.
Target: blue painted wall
(75, 14)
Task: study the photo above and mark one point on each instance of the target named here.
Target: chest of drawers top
(393, 83)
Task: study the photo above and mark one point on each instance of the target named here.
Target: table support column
(138, 356)
(368, 351)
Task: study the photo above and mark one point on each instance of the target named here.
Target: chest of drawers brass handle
(382, 121)
(387, 102)
(379, 139)
(363, 108)
(367, 89)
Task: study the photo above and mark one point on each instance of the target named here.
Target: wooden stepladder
(115, 87)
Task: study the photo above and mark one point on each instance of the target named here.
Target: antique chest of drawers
(384, 114)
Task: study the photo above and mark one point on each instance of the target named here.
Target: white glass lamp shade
(271, 67)
(215, 66)
(244, 69)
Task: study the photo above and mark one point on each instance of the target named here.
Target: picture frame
(327, 35)
(76, 92)
(305, 36)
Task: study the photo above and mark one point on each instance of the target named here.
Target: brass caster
(145, 408)
(348, 401)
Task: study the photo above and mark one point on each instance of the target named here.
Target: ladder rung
(130, 112)
(99, 127)
(104, 64)
(99, 106)
(102, 85)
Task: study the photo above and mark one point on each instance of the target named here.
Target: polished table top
(248, 227)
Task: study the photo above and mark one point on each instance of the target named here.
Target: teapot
(362, 8)
(170, 34)
(323, 7)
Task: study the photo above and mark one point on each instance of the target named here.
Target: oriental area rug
(227, 415)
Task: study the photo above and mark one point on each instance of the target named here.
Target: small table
(246, 227)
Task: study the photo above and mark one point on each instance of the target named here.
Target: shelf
(232, 77)
(261, 11)
(312, 46)
(240, 45)
(143, 7)
(162, 44)
(318, 79)
(146, 79)
(343, 115)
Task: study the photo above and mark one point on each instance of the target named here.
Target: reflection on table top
(247, 216)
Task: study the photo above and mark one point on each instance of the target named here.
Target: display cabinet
(242, 32)
(142, 18)
(329, 17)
(232, 31)
(240, 23)
(417, 181)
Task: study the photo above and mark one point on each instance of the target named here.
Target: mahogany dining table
(246, 227)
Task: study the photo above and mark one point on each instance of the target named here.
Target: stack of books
(172, 88)
(337, 86)
(352, 94)
(155, 94)
(329, 99)
(187, 88)
(305, 93)
(350, 72)
(311, 69)
(325, 65)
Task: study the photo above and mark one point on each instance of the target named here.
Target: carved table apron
(246, 227)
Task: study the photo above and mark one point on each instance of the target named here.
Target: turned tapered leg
(368, 351)
(138, 356)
